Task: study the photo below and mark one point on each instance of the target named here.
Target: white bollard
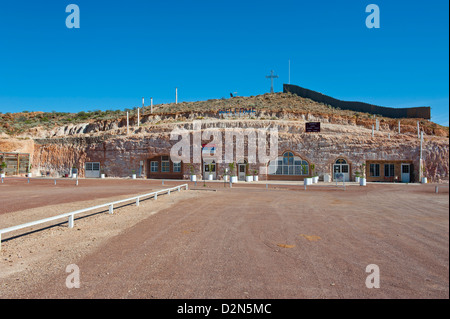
(111, 209)
(137, 201)
(156, 196)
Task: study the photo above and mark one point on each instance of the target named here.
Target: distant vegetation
(16, 123)
(271, 104)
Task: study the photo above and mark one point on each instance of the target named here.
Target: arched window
(341, 161)
(288, 164)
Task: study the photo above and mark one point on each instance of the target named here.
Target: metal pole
(176, 95)
(398, 127)
(418, 130)
(421, 164)
(127, 123)
(138, 117)
(421, 144)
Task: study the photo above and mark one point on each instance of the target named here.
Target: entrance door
(209, 168)
(241, 172)
(92, 170)
(341, 170)
(406, 173)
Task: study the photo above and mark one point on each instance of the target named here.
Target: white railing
(71, 215)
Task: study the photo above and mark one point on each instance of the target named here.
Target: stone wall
(120, 154)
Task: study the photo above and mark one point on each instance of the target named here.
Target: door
(209, 168)
(241, 172)
(341, 171)
(406, 173)
(92, 170)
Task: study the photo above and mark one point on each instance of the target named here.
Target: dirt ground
(215, 242)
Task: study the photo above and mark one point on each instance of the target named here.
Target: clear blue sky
(126, 50)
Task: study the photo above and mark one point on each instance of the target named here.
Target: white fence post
(71, 221)
(111, 209)
(137, 201)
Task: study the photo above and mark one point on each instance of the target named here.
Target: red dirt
(249, 242)
(17, 194)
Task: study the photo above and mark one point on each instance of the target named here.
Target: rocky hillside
(274, 107)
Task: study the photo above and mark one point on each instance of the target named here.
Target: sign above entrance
(208, 150)
(312, 127)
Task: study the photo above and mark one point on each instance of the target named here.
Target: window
(374, 170)
(92, 166)
(288, 164)
(389, 170)
(177, 167)
(165, 164)
(154, 167)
